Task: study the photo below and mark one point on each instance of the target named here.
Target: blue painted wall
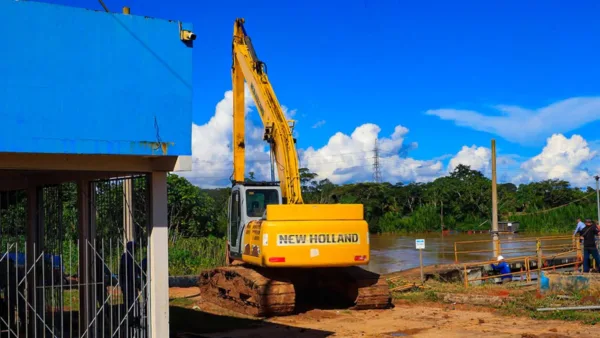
(79, 81)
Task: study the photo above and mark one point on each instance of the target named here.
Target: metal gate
(56, 283)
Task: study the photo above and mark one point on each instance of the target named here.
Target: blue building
(93, 99)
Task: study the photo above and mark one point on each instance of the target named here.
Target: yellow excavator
(284, 255)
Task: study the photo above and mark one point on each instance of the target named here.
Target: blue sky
(439, 69)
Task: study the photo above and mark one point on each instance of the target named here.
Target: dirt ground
(191, 317)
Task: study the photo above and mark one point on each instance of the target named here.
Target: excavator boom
(278, 130)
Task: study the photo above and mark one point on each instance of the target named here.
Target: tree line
(460, 201)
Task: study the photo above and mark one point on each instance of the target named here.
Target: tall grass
(423, 219)
(427, 218)
(189, 256)
(560, 220)
(470, 223)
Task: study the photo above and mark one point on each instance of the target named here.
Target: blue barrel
(545, 282)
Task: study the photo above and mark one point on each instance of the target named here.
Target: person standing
(129, 273)
(580, 226)
(588, 235)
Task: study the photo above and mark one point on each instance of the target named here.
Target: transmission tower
(376, 165)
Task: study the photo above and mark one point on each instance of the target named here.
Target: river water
(391, 253)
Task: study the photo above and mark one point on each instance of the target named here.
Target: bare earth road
(195, 318)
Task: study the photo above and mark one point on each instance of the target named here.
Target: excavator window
(235, 217)
(258, 199)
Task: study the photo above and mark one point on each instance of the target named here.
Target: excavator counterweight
(283, 254)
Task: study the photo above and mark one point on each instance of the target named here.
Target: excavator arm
(278, 130)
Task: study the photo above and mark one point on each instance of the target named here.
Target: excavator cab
(247, 203)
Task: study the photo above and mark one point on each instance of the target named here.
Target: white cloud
(527, 126)
(289, 113)
(211, 146)
(350, 157)
(319, 124)
(478, 158)
(561, 158)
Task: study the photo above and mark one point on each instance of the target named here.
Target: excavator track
(262, 292)
(366, 290)
(251, 291)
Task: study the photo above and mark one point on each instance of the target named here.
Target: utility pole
(494, 202)
(376, 165)
(597, 196)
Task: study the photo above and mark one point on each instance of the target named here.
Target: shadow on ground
(190, 323)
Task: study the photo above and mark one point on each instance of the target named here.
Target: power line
(307, 158)
(215, 176)
(382, 161)
(104, 6)
(504, 175)
(553, 208)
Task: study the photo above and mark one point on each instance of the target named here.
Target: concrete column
(128, 227)
(40, 237)
(32, 224)
(158, 256)
(86, 311)
(93, 248)
(33, 249)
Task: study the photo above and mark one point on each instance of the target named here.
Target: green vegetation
(464, 200)
(465, 195)
(554, 221)
(189, 256)
(198, 217)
